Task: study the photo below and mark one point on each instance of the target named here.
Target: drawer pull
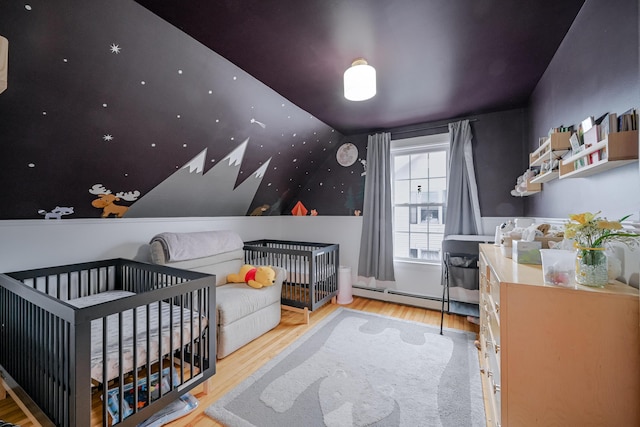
(496, 347)
(497, 307)
(496, 388)
(489, 373)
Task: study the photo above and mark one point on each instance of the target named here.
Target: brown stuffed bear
(256, 277)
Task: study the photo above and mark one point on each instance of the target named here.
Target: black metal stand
(466, 259)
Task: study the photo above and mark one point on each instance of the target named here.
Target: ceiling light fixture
(359, 81)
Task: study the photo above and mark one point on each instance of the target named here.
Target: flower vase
(592, 267)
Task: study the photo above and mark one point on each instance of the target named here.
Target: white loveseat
(243, 313)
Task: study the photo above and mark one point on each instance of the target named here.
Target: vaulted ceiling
(435, 59)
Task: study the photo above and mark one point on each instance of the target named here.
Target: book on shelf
(587, 124)
(602, 123)
(628, 120)
(601, 119)
(592, 136)
(574, 141)
(559, 129)
(613, 122)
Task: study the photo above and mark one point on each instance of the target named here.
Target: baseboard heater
(392, 295)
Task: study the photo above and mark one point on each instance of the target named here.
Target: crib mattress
(158, 313)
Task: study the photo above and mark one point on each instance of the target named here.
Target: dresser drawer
(493, 324)
(483, 272)
(494, 291)
(491, 380)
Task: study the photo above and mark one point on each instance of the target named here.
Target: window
(419, 180)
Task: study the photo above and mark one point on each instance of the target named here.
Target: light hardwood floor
(231, 370)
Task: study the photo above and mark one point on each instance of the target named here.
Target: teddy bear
(256, 277)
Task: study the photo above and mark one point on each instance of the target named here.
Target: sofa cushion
(173, 247)
(220, 265)
(234, 335)
(237, 300)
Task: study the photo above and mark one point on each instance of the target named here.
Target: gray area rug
(362, 369)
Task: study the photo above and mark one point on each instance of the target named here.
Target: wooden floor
(234, 368)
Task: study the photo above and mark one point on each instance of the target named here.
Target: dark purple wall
(108, 93)
(498, 149)
(594, 71)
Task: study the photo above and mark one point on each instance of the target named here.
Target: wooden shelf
(619, 149)
(546, 177)
(553, 147)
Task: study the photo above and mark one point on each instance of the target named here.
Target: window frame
(418, 145)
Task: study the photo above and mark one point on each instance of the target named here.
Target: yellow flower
(590, 231)
(609, 225)
(583, 218)
(580, 218)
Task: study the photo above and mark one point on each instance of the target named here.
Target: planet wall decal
(347, 154)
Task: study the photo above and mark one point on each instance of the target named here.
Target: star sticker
(115, 48)
(107, 137)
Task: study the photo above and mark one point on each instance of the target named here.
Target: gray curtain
(376, 242)
(463, 208)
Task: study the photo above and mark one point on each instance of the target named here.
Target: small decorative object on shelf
(524, 186)
(591, 234)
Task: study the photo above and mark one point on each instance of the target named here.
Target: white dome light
(359, 81)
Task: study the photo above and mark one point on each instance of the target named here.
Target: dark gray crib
(46, 342)
(312, 269)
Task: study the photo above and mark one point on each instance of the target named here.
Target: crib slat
(135, 358)
(191, 342)
(120, 370)
(171, 348)
(181, 350)
(105, 382)
(159, 348)
(148, 366)
(67, 375)
(55, 392)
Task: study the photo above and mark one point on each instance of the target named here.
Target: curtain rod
(429, 127)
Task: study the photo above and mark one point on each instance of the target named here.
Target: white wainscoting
(26, 244)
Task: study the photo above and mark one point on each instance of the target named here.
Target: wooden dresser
(555, 356)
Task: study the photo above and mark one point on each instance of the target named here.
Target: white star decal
(115, 48)
(107, 137)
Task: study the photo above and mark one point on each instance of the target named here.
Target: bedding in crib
(160, 313)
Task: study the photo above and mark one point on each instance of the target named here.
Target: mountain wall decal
(190, 192)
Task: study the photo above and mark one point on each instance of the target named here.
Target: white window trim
(418, 144)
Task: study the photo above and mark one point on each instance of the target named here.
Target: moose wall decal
(106, 200)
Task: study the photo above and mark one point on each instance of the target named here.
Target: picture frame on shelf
(575, 142)
(576, 147)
